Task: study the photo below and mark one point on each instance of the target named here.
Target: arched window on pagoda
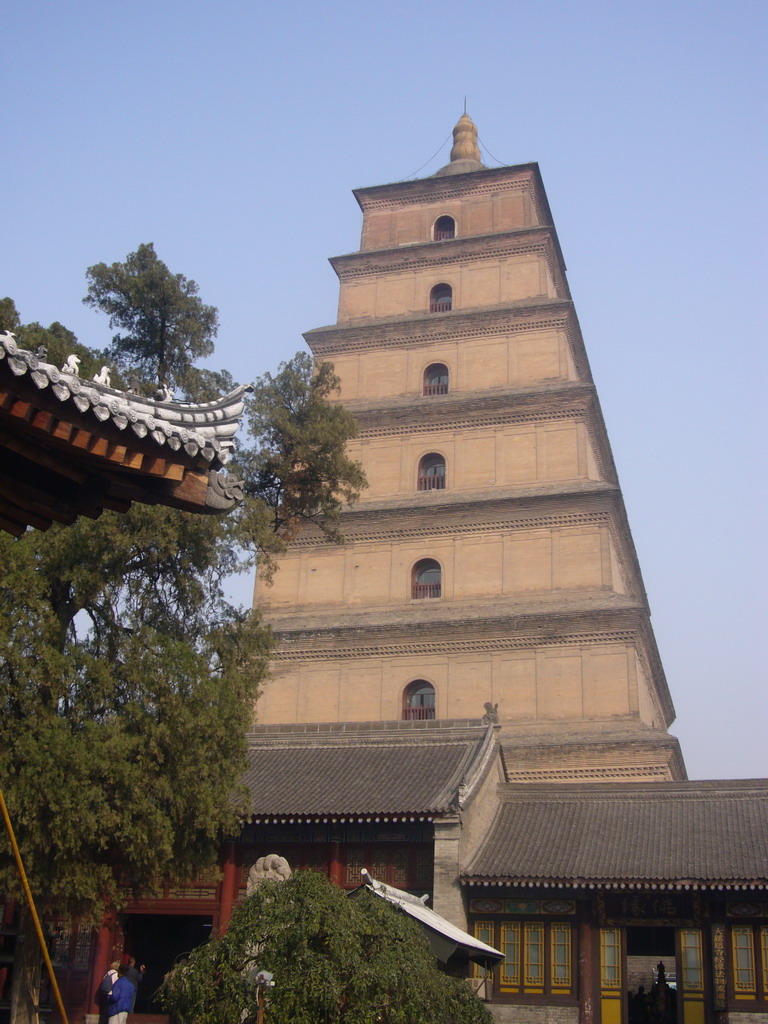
(431, 472)
(441, 299)
(436, 379)
(445, 228)
(419, 701)
(426, 579)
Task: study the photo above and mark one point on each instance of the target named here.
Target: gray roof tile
(681, 832)
(359, 772)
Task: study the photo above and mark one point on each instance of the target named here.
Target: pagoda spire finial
(465, 154)
(465, 145)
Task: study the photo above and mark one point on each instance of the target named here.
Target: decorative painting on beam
(651, 909)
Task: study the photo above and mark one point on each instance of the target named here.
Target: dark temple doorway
(158, 940)
(651, 976)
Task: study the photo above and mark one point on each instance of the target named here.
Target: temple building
(468, 699)
(467, 702)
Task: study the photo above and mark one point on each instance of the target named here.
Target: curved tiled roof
(666, 834)
(350, 773)
(72, 447)
(206, 429)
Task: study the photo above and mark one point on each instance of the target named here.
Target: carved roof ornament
(73, 446)
(465, 154)
(491, 716)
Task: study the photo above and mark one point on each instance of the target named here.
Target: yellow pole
(33, 911)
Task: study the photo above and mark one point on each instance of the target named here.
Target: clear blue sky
(230, 135)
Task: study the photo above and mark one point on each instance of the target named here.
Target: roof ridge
(612, 790)
(206, 429)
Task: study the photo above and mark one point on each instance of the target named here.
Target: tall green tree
(127, 679)
(56, 341)
(163, 326)
(333, 959)
(296, 466)
(9, 315)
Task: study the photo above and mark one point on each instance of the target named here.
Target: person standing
(122, 995)
(105, 990)
(135, 975)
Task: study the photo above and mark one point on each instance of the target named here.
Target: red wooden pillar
(337, 874)
(586, 962)
(229, 888)
(8, 912)
(104, 954)
(6, 920)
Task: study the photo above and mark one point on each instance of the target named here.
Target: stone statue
(491, 716)
(273, 868)
(72, 365)
(103, 377)
(164, 393)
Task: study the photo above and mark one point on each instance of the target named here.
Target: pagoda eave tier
(436, 514)
(457, 251)
(72, 447)
(441, 512)
(494, 180)
(464, 627)
(424, 628)
(561, 399)
(436, 622)
(410, 329)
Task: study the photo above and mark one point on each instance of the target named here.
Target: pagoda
(489, 564)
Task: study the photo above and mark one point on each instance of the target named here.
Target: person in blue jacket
(121, 999)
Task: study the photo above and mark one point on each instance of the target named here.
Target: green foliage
(126, 685)
(298, 467)
(57, 341)
(334, 959)
(162, 324)
(127, 681)
(9, 316)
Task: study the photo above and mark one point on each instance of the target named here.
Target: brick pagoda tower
(489, 561)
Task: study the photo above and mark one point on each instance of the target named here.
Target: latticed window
(560, 941)
(419, 701)
(693, 962)
(379, 862)
(441, 299)
(82, 957)
(743, 959)
(61, 941)
(355, 864)
(534, 955)
(483, 931)
(436, 379)
(395, 864)
(764, 951)
(427, 579)
(400, 872)
(432, 472)
(610, 958)
(314, 858)
(510, 947)
(538, 956)
(445, 227)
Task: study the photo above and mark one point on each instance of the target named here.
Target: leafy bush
(356, 961)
